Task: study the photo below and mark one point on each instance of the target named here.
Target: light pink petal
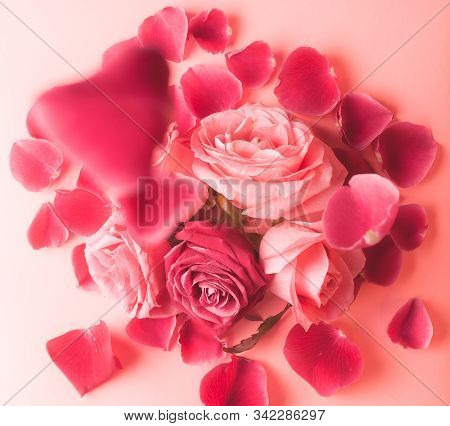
(239, 382)
(183, 117)
(157, 332)
(210, 89)
(210, 30)
(307, 83)
(166, 31)
(81, 269)
(361, 214)
(411, 326)
(407, 152)
(410, 226)
(85, 356)
(35, 163)
(324, 357)
(46, 229)
(361, 119)
(253, 65)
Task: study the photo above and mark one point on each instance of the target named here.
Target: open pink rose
(316, 280)
(267, 164)
(213, 274)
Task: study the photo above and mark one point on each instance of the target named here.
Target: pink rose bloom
(267, 164)
(213, 274)
(316, 280)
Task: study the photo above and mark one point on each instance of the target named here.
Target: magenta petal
(85, 356)
(324, 357)
(410, 226)
(81, 269)
(383, 262)
(253, 65)
(157, 332)
(46, 229)
(239, 382)
(307, 83)
(35, 163)
(411, 326)
(407, 152)
(210, 89)
(361, 119)
(183, 117)
(166, 31)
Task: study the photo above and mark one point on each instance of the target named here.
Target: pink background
(38, 299)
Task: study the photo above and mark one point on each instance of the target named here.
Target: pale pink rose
(266, 163)
(316, 280)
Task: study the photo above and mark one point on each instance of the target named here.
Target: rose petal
(81, 269)
(85, 356)
(35, 163)
(82, 211)
(353, 161)
(239, 382)
(307, 83)
(210, 30)
(361, 214)
(166, 31)
(157, 332)
(407, 152)
(410, 226)
(324, 357)
(116, 50)
(183, 117)
(253, 65)
(47, 230)
(411, 326)
(383, 262)
(210, 89)
(361, 119)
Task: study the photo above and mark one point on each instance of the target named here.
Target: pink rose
(267, 164)
(213, 274)
(316, 280)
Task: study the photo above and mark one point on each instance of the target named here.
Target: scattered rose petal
(46, 229)
(411, 326)
(361, 119)
(166, 31)
(35, 163)
(410, 226)
(361, 214)
(183, 117)
(253, 65)
(81, 269)
(210, 89)
(157, 332)
(116, 50)
(407, 152)
(324, 357)
(353, 161)
(307, 83)
(85, 356)
(239, 382)
(210, 30)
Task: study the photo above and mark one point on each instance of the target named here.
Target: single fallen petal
(157, 332)
(183, 117)
(324, 357)
(166, 31)
(85, 356)
(410, 226)
(209, 89)
(46, 229)
(239, 382)
(210, 30)
(81, 269)
(407, 152)
(361, 119)
(253, 65)
(35, 163)
(411, 326)
(307, 83)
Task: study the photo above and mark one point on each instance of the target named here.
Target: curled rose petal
(210, 89)
(307, 83)
(183, 117)
(166, 31)
(253, 65)
(411, 326)
(81, 268)
(157, 332)
(361, 214)
(407, 152)
(35, 163)
(410, 226)
(85, 356)
(46, 229)
(383, 262)
(239, 382)
(361, 119)
(324, 357)
(210, 30)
